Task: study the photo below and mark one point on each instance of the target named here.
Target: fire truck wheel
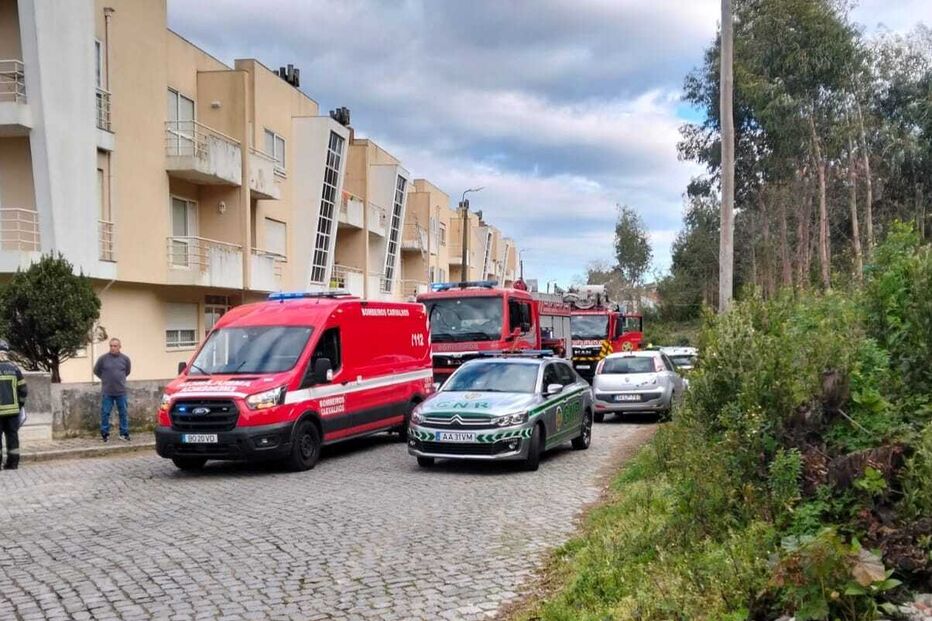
(584, 439)
(599, 417)
(532, 461)
(305, 451)
(403, 428)
(425, 462)
(189, 463)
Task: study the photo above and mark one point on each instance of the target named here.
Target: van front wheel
(305, 450)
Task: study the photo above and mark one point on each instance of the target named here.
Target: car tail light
(658, 365)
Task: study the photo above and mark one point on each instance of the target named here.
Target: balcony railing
(378, 219)
(263, 182)
(191, 138)
(12, 81)
(414, 238)
(103, 109)
(267, 268)
(105, 233)
(341, 276)
(19, 229)
(205, 262)
(202, 155)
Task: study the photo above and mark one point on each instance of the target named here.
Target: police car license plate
(454, 436)
(628, 397)
(199, 438)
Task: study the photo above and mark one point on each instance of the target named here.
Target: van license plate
(454, 436)
(629, 397)
(583, 366)
(199, 438)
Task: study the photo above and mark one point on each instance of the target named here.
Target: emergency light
(446, 286)
(297, 295)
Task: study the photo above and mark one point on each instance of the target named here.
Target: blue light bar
(446, 286)
(281, 296)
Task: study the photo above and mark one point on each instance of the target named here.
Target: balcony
(263, 182)
(15, 115)
(266, 270)
(349, 278)
(201, 155)
(378, 220)
(351, 212)
(204, 263)
(410, 289)
(19, 230)
(414, 238)
(105, 236)
(103, 109)
(456, 255)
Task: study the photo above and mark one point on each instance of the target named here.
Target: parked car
(505, 408)
(278, 379)
(684, 358)
(634, 382)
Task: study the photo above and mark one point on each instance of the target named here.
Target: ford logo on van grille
(200, 411)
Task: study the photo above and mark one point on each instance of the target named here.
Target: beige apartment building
(183, 186)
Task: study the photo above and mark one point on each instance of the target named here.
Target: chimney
(290, 74)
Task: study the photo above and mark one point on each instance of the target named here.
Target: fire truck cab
(278, 379)
(468, 319)
(599, 328)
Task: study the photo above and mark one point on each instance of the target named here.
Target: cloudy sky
(560, 108)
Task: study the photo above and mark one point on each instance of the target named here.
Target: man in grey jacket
(113, 368)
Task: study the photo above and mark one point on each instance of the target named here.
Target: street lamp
(464, 205)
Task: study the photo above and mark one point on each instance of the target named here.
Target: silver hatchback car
(634, 382)
(509, 408)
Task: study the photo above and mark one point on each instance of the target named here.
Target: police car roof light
(281, 296)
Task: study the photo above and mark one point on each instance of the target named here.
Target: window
(184, 230)
(275, 147)
(443, 234)
(181, 326)
(488, 252)
(465, 319)
(391, 252)
(551, 376)
(215, 307)
(320, 261)
(181, 119)
(520, 316)
(666, 362)
(327, 347)
(566, 374)
(433, 273)
(99, 63)
(276, 237)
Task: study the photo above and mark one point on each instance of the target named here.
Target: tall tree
(726, 260)
(632, 246)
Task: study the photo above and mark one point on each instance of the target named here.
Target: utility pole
(464, 206)
(726, 252)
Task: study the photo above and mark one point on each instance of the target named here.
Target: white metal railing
(191, 138)
(105, 234)
(339, 275)
(261, 154)
(19, 229)
(277, 259)
(415, 236)
(195, 252)
(103, 109)
(377, 216)
(386, 285)
(12, 81)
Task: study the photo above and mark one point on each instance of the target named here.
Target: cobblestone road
(365, 535)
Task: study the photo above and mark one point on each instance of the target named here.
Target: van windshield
(253, 349)
(465, 319)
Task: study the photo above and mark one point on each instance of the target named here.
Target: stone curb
(86, 451)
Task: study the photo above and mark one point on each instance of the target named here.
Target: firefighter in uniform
(12, 399)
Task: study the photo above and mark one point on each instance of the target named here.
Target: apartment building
(183, 186)
(180, 185)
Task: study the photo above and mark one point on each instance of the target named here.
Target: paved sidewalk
(84, 447)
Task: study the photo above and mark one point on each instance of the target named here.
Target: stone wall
(76, 407)
(39, 400)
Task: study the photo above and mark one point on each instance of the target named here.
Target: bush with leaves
(47, 313)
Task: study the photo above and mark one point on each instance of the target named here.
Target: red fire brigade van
(279, 379)
(470, 318)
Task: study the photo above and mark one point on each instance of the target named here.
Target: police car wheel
(599, 417)
(189, 463)
(305, 450)
(532, 461)
(582, 442)
(425, 462)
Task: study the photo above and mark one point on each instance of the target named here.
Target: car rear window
(683, 360)
(632, 364)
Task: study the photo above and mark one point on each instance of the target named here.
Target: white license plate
(454, 436)
(627, 397)
(583, 366)
(199, 438)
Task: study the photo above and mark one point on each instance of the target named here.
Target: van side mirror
(553, 389)
(323, 371)
(181, 367)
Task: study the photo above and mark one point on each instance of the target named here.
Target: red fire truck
(600, 328)
(468, 319)
(279, 379)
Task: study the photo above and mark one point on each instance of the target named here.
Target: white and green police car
(503, 408)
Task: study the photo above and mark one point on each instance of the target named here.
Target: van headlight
(165, 402)
(266, 399)
(510, 419)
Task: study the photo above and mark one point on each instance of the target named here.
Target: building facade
(183, 186)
